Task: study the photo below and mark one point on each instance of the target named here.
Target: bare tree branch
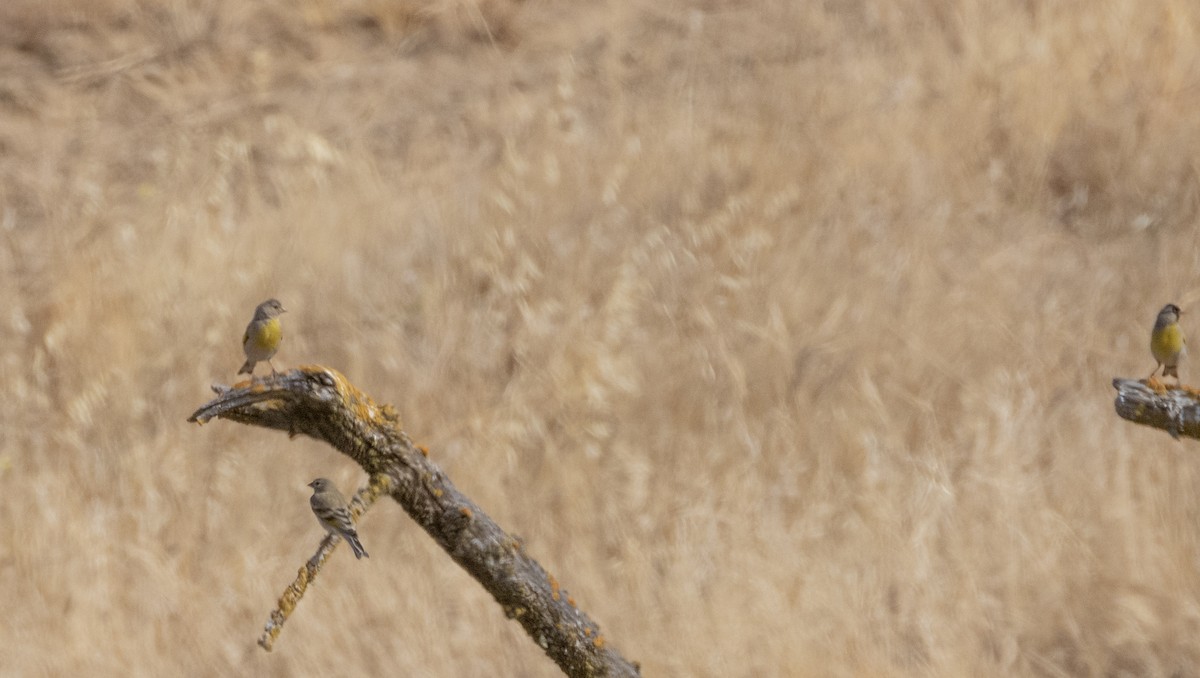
(1151, 403)
(319, 402)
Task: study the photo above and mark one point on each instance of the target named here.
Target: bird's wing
(342, 517)
(337, 516)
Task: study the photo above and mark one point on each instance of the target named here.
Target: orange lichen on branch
(1150, 402)
(378, 485)
(290, 599)
(553, 586)
(361, 405)
(1162, 388)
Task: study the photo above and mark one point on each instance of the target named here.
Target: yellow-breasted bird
(263, 335)
(1167, 342)
(332, 511)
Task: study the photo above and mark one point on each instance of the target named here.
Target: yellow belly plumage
(1166, 344)
(260, 342)
(265, 337)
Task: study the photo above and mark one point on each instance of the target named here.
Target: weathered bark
(320, 403)
(1151, 403)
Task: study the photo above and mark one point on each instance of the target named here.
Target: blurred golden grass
(782, 331)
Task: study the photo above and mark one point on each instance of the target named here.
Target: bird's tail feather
(247, 368)
(357, 547)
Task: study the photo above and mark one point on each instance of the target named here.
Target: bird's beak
(313, 484)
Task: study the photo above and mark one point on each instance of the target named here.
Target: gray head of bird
(1170, 313)
(271, 308)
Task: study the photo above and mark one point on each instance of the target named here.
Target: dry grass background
(782, 332)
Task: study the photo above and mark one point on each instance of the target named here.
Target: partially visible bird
(263, 335)
(332, 511)
(1167, 342)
